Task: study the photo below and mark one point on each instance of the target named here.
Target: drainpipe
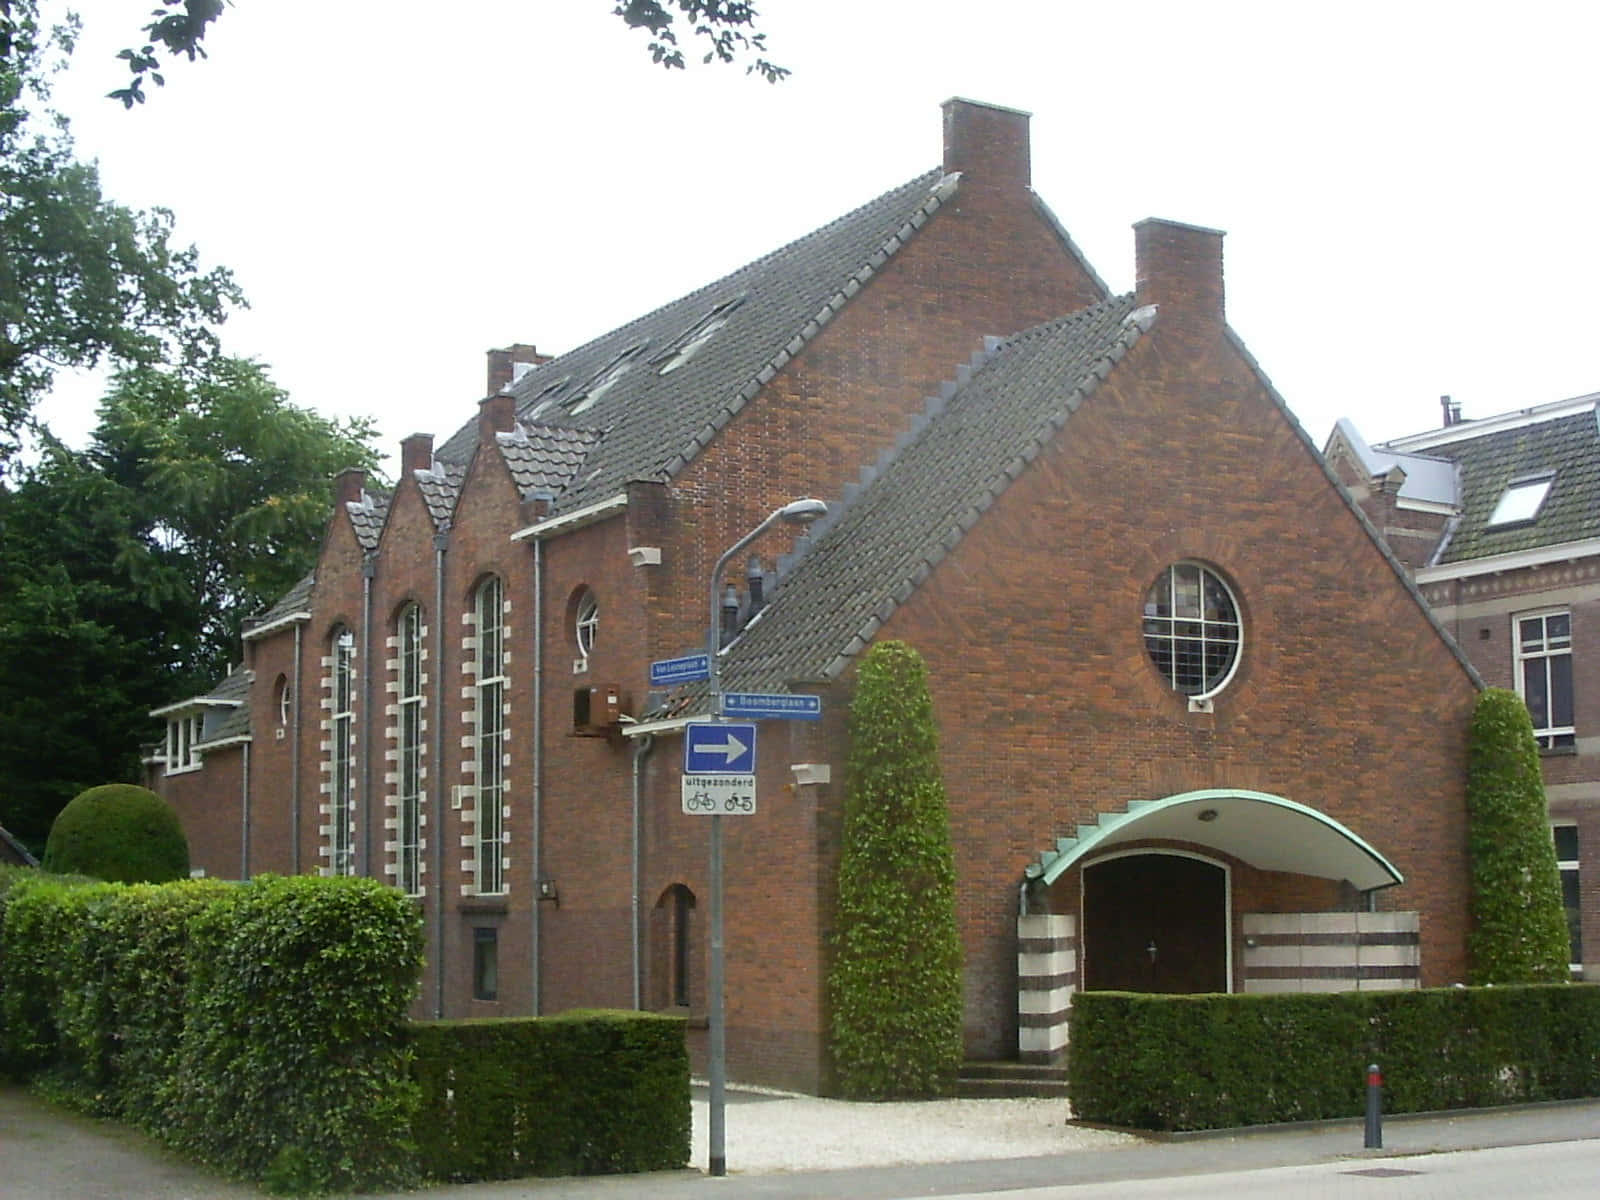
(244, 815)
(294, 754)
(641, 751)
(536, 816)
(369, 568)
(440, 541)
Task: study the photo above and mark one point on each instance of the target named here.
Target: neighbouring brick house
(1498, 520)
(1177, 673)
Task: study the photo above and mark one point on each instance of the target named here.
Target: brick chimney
(987, 144)
(497, 413)
(503, 364)
(1179, 268)
(348, 485)
(416, 453)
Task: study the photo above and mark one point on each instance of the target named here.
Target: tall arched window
(410, 746)
(342, 840)
(490, 687)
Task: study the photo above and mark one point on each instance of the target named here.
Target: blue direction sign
(720, 749)
(691, 668)
(766, 706)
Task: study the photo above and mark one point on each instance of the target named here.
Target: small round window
(1191, 628)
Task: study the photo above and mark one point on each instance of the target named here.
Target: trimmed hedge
(1218, 1062)
(580, 1093)
(259, 1026)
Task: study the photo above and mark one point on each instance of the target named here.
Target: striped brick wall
(1331, 952)
(1047, 975)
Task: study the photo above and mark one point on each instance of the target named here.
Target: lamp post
(797, 512)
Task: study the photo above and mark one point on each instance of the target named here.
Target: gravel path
(801, 1133)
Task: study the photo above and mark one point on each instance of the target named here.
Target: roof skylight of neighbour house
(1521, 500)
(687, 344)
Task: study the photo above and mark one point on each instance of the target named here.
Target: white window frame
(586, 622)
(1547, 651)
(490, 736)
(410, 740)
(1566, 866)
(183, 733)
(1174, 631)
(341, 822)
(1522, 501)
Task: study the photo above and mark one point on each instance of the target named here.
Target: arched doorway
(1155, 922)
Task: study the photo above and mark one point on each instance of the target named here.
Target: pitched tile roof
(543, 458)
(1564, 444)
(656, 390)
(917, 503)
(367, 516)
(291, 604)
(441, 488)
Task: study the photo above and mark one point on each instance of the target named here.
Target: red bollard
(1374, 1137)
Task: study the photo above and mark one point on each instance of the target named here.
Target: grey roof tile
(657, 398)
(367, 516)
(546, 458)
(858, 565)
(296, 600)
(440, 486)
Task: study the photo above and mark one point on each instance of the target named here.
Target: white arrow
(731, 749)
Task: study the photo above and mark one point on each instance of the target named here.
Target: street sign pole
(797, 512)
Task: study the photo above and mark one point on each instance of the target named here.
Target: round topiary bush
(118, 832)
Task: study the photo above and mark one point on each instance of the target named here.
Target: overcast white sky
(1408, 188)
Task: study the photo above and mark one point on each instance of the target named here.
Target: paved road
(1531, 1152)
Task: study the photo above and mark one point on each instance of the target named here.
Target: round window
(1191, 629)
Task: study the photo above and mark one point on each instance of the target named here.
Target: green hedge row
(258, 1027)
(1217, 1062)
(580, 1093)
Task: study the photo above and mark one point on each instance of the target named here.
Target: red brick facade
(1347, 700)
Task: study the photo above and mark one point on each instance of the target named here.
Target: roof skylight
(1521, 500)
(691, 340)
(604, 379)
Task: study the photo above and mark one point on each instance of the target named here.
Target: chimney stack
(503, 364)
(416, 453)
(348, 485)
(497, 413)
(1179, 268)
(1452, 411)
(987, 144)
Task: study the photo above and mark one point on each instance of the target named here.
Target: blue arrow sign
(691, 668)
(720, 749)
(767, 706)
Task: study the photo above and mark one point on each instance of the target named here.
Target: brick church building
(1198, 729)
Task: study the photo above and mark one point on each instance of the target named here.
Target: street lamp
(796, 512)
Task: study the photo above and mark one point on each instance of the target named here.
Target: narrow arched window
(410, 748)
(489, 608)
(342, 785)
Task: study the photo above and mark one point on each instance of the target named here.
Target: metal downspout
(294, 754)
(440, 541)
(537, 813)
(641, 751)
(369, 568)
(244, 815)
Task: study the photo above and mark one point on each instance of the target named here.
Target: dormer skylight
(605, 379)
(1521, 501)
(687, 344)
(546, 397)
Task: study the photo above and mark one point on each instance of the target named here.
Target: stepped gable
(544, 458)
(913, 507)
(661, 386)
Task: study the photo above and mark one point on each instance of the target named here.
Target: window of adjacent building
(1567, 862)
(491, 684)
(485, 963)
(1544, 675)
(1191, 628)
(183, 734)
(586, 622)
(410, 857)
(343, 782)
(1521, 500)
